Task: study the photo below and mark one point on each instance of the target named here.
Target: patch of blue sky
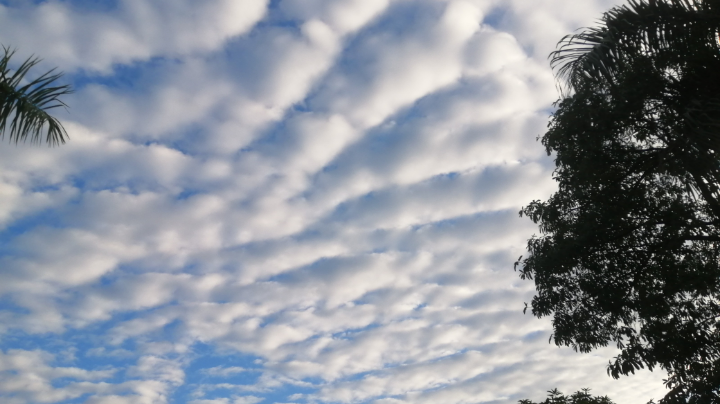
(470, 219)
(89, 5)
(495, 18)
(209, 365)
(278, 19)
(8, 305)
(301, 107)
(208, 362)
(77, 400)
(498, 260)
(376, 297)
(274, 136)
(75, 348)
(284, 393)
(344, 212)
(377, 199)
(247, 56)
(98, 180)
(138, 75)
(233, 367)
(185, 139)
(187, 194)
(321, 268)
(358, 58)
(402, 19)
(45, 218)
(85, 183)
(535, 336)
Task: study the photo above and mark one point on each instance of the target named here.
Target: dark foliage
(630, 247)
(24, 105)
(580, 397)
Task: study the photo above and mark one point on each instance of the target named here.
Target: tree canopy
(629, 251)
(579, 397)
(24, 105)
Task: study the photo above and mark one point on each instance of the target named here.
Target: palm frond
(24, 108)
(666, 28)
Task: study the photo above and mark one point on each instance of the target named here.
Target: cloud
(539, 28)
(344, 16)
(392, 67)
(133, 31)
(220, 371)
(235, 400)
(27, 376)
(300, 201)
(153, 367)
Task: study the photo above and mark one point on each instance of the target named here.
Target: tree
(580, 397)
(24, 106)
(629, 251)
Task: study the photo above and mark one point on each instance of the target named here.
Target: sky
(286, 201)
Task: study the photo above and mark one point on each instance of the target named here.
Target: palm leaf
(24, 108)
(666, 29)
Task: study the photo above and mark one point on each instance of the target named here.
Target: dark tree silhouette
(580, 397)
(24, 105)
(629, 251)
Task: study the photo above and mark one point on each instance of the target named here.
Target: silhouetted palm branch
(664, 29)
(23, 107)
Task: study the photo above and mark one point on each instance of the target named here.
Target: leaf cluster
(24, 106)
(579, 397)
(629, 251)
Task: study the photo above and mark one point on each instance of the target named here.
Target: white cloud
(220, 371)
(27, 377)
(344, 16)
(234, 400)
(327, 187)
(392, 69)
(134, 31)
(540, 27)
(153, 367)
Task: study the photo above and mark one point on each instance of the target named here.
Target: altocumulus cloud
(294, 201)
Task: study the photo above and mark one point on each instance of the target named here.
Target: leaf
(24, 108)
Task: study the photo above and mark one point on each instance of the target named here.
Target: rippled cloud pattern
(293, 201)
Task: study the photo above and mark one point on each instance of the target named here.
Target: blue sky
(295, 201)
